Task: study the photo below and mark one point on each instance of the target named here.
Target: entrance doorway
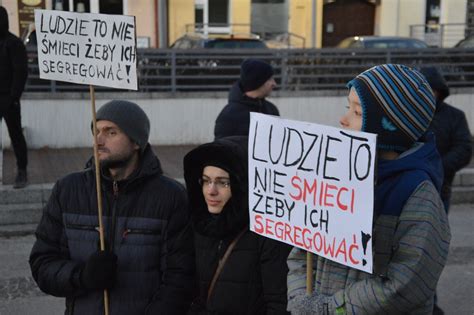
(345, 18)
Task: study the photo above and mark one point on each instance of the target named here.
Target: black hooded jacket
(453, 138)
(234, 119)
(253, 280)
(146, 224)
(13, 64)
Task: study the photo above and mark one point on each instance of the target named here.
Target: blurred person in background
(13, 75)
(453, 138)
(247, 95)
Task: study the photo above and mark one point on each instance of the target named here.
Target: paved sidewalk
(48, 165)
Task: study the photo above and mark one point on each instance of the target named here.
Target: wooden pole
(99, 195)
(309, 273)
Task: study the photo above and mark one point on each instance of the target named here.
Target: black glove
(100, 271)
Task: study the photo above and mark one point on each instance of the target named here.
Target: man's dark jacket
(453, 138)
(146, 222)
(13, 64)
(234, 119)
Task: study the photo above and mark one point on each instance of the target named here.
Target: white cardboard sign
(86, 48)
(312, 186)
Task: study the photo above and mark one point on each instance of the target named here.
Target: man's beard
(116, 162)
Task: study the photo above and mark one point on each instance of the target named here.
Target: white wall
(175, 121)
(66, 123)
(396, 16)
(453, 12)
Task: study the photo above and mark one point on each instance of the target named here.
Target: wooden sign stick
(99, 194)
(309, 273)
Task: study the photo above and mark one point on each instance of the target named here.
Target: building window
(212, 16)
(268, 1)
(218, 12)
(199, 14)
(111, 6)
(79, 5)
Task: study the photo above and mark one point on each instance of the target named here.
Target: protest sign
(312, 186)
(85, 48)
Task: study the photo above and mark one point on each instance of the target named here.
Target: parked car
(232, 42)
(387, 42)
(198, 61)
(467, 42)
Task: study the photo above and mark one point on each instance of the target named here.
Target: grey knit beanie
(129, 117)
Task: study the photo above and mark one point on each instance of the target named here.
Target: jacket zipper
(219, 246)
(260, 106)
(114, 215)
(71, 306)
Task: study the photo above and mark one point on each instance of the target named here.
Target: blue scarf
(397, 179)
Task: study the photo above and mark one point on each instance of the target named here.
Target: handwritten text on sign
(311, 186)
(84, 48)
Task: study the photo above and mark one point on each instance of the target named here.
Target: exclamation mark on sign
(127, 68)
(365, 239)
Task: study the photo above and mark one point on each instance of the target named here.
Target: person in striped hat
(411, 233)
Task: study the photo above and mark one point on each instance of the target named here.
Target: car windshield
(231, 44)
(466, 43)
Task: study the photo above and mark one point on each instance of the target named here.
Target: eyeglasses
(218, 183)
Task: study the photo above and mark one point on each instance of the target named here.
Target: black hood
(229, 153)
(436, 81)
(3, 22)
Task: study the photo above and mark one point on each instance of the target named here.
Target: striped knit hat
(397, 105)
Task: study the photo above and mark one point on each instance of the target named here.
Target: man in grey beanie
(147, 265)
(247, 95)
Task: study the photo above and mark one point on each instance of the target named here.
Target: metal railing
(168, 70)
(273, 40)
(441, 35)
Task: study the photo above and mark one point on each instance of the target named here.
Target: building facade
(301, 23)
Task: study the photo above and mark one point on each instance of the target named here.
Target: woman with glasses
(238, 271)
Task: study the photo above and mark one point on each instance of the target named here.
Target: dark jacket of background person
(453, 138)
(13, 75)
(145, 224)
(13, 64)
(253, 280)
(234, 119)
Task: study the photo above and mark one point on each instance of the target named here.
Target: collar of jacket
(149, 165)
(439, 105)
(236, 94)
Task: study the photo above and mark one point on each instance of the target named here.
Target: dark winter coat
(453, 138)
(234, 119)
(253, 280)
(146, 223)
(13, 64)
